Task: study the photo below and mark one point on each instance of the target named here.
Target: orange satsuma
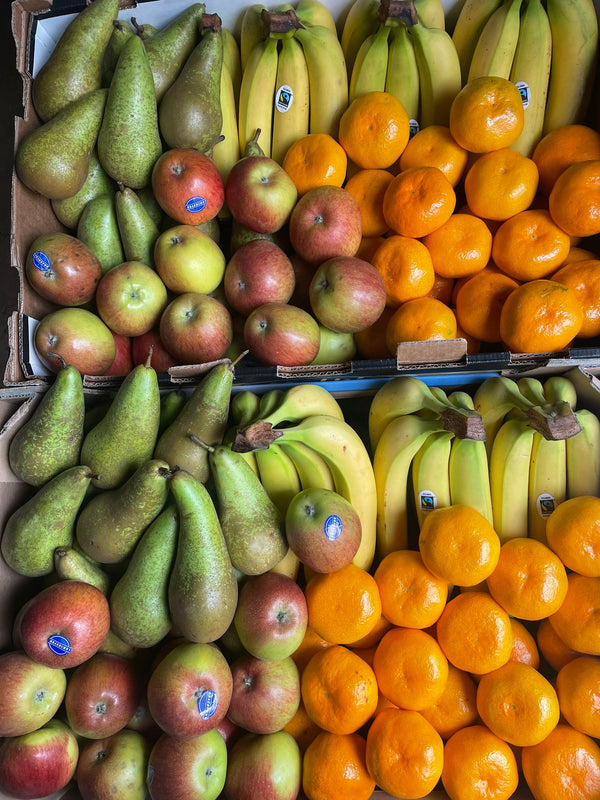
(573, 533)
(578, 689)
(583, 277)
(367, 187)
(434, 146)
(457, 705)
(374, 130)
(574, 201)
(479, 301)
(524, 647)
(406, 267)
(420, 320)
(334, 765)
(500, 183)
(315, 159)
(487, 114)
(577, 621)
(551, 646)
(560, 148)
(418, 200)
(530, 245)
(461, 246)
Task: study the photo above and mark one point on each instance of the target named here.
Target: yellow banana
(439, 73)
(461, 399)
(496, 46)
(547, 482)
(301, 401)
(232, 60)
(313, 12)
(291, 111)
(370, 67)
(256, 95)
(531, 73)
(560, 389)
(470, 22)
(252, 31)
(469, 476)
(574, 27)
(509, 478)
(361, 21)
(430, 13)
(532, 389)
(313, 471)
(430, 475)
(583, 456)
(402, 78)
(493, 399)
(226, 152)
(328, 78)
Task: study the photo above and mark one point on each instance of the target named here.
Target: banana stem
(281, 23)
(256, 436)
(463, 423)
(210, 22)
(560, 422)
(398, 11)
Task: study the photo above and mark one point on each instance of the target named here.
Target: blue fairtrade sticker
(207, 703)
(332, 527)
(195, 204)
(59, 645)
(41, 261)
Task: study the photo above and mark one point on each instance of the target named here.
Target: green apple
(189, 260)
(334, 347)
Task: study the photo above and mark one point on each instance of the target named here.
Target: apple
(114, 767)
(196, 328)
(260, 194)
(325, 223)
(160, 360)
(188, 260)
(240, 235)
(79, 337)
(347, 294)
(303, 272)
(31, 693)
(258, 272)
(64, 624)
(189, 689)
(183, 770)
(130, 298)
(268, 766)
(123, 362)
(271, 615)
(143, 722)
(187, 185)
(323, 529)
(62, 269)
(230, 732)
(282, 334)
(334, 347)
(266, 693)
(38, 763)
(102, 696)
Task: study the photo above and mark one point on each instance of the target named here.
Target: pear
(54, 159)
(125, 436)
(139, 603)
(120, 33)
(97, 182)
(98, 229)
(203, 589)
(137, 229)
(150, 203)
(74, 68)
(190, 112)
(171, 403)
(129, 139)
(50, 441)
(72, 565)
(252, 525)
(44, 522)
(111, 523)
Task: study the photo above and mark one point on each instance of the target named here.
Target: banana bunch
(308, 444)
(294, 77)
(549, 50)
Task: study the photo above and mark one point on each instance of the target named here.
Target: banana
(328, 78)
(256, 95)
(232, 60)
(269, 401)
(252, 31)
(469, 476)
(509, 478)
(371, 64)
(243, 407)
(530, 72)
(574, 27)
(298, 402)
(439, 73)
(392, 459)
(226, 152)
(470, 22)
(278, 475)
(493, 399)
(313, 12)
(313, 471)
(583, 456)
(497, 44)
(430, 13)
(430, 476)
(361, 21)
(547, 482)
(461, 399)
(402, 78)
(560, 389)
(291, 111)
(532, 389)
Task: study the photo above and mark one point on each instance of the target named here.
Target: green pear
(129, 139)
(54, 159)
(98, 229)
(50, 441)
(44, 522)
(150, 203)
(190, 112)
(171, 404)
(97, 182)
(72, 565)
(74, 68)
(137, 229)
(120, 33)
(203, 588)
(139, 603)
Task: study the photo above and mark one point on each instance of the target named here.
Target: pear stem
(203, 444)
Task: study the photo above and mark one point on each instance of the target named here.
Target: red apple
(347, 294)
(230, 732)
(102, 696)
(189, 690)
(39, 763)
(266, 694)
(281, 334)
(79, 336)
(187, 185)
(258, 272)
(130, 298)
(260, 194)
(65, 624)
(114, 767)
(62, 269)
(161, 360)
(31, 693)
(123, 363)
(268, 766)
(325, 223)
(185, 770)
(303, 272)
(271, 615)
(196, 328)
(188, 260)
(142, 721)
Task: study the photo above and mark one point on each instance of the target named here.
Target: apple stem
(52, 354)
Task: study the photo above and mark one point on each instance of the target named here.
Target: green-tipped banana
(252, 31)
(583, 456)
(560, 389)
(256, 95)
(299, 402)
(439, 73)
(371, 64)
(402, 78)
(470, 22)
(494, 398)
(547, 482)
(361, 21)
(497, 44)
(226, 152)
(469, 476)
(509, 478)
(312, 469)
(431, 13)
(313, 12)
(278, 475)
